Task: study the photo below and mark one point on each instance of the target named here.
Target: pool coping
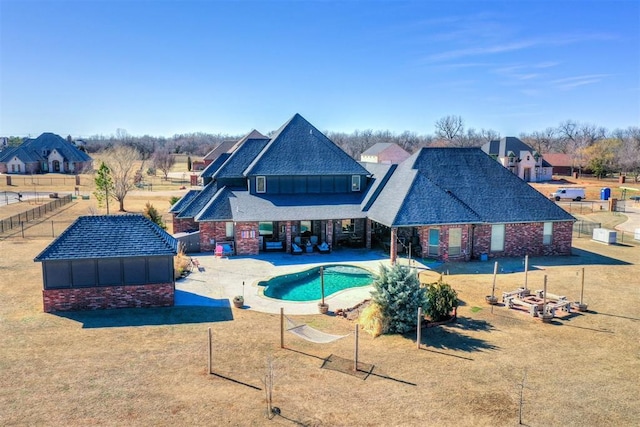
(220, 279)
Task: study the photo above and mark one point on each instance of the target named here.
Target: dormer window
(511, 156)
(355, 183)
(261, 184)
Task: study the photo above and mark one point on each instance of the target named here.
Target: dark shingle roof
(213, 167)
(298, 148)
(240, 205)
(502, 147)
(459, 185)
(199, 201)
(110, 236)
(184, 201)
(32, 148)
(222, 148)
(235, 166)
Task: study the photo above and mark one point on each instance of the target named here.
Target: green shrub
(398, 293)
(441, 299)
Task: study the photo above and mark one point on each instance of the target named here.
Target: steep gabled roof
(110, 236)
(459, 185)
(213, 167)
(502, 147)
(377, 148)
(224, 147)
(218, 208)
(198, 202)
(298, 148)
(184, 201)
(241, 158)
(25, 156)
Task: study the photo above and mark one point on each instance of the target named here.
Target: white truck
(576, 194)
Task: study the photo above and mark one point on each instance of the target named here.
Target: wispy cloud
(573, 82)
(492, 48)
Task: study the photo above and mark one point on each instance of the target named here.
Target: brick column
(330, 232)
(367, 232)
(288, 236)
(394, 245)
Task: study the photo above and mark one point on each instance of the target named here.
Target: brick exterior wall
(247, 238)
(183, 224)
(520, 240)
(212, 231)
(107, 297)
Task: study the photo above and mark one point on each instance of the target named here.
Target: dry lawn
(149, 366)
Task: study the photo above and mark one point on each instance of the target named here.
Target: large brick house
(109, 261)
(47, 153)
(298, 187)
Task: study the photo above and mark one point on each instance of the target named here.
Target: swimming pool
(306, 286)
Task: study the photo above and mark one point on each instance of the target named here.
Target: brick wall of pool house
(247, 238)
(107, 297)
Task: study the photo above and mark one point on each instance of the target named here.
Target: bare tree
(488, 135)
(122, 162)
(542, 141)
(450, 128)
(628, 155)
(164, 161)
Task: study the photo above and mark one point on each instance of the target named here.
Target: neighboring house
(298, 187)
(46, 153)
(224, 147)
(388, 153)
(520, 159)
(561, 163)
(109, 261)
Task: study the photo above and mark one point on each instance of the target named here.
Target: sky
(161, 68)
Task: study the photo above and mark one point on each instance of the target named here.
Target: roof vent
(310, 131)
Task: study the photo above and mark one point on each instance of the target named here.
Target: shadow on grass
(148, 316)
(516, 264)
(447, 338)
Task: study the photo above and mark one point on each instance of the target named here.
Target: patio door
(434, 242)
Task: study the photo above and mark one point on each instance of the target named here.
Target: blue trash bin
(605, 193)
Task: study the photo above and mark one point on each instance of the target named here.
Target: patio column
(367, 232)
(393, 245)
(330, 232)
(288, 236)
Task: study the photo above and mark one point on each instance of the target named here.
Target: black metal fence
(21, 221)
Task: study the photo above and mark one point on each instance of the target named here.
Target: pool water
(306, 286)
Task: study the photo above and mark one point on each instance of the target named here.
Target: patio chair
(324, 248)
(296, 250)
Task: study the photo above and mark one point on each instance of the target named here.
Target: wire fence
(48, 180)
(17, 222)
(584, 229)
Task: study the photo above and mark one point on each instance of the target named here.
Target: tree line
(588, 146)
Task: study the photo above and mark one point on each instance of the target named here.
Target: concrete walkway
(632, 212)
(220, 279)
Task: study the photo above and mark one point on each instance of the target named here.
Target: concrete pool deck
(219, 279)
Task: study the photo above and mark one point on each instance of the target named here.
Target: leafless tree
(628, 155)
(164, 161)
(488, 135)
(450, 129)
(122, 162)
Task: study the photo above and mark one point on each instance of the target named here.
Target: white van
(576, 194)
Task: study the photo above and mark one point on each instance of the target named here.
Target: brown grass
(149, 367)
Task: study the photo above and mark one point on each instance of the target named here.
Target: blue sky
(166, 67)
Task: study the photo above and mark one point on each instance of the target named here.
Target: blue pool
(306, 286)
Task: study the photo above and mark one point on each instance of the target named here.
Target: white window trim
(547, 234)
(264, 181)
(455, 249)
(494, 246)
(355, 179)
